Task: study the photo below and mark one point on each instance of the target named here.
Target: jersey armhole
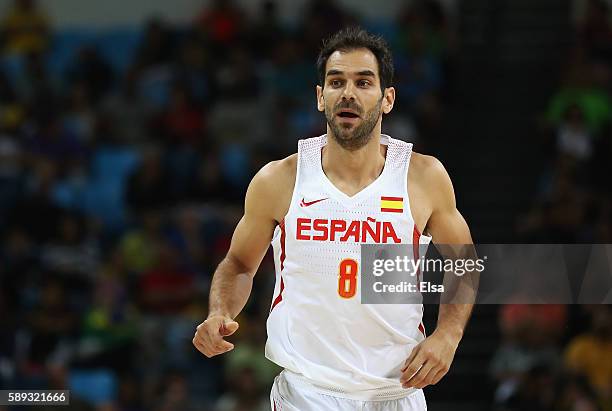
(298, 163)
(423, 238)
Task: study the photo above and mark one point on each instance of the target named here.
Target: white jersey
(318, 329)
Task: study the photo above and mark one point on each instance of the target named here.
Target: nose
(348, 93)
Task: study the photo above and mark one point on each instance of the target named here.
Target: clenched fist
(208, 338)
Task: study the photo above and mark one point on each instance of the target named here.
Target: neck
(356, 168)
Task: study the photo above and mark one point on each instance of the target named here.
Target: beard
(351, 138)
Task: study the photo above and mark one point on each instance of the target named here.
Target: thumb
(228, 328)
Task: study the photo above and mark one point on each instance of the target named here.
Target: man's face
(351, 97)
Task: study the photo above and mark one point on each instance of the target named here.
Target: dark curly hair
(352, 38)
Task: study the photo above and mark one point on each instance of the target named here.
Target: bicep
(254, 231)
(449, 227)
(250, 241)
(446, 225)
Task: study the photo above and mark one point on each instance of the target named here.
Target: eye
(335, 83)
(363, 83)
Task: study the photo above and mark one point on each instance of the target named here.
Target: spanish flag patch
(391, 204)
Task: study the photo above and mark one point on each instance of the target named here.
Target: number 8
(347, 278)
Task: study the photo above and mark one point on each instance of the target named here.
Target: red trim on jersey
(416, 236)
(282, 244)
(274, 404)
(417, 230)
(392, 198)
(392, 210)
(279, 297)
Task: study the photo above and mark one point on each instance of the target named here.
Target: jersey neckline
(343, 197)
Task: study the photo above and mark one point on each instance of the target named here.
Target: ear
(320, 99)
(388, 100)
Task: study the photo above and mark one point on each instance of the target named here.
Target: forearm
(452, 320)
(460, 291)
(230, 288)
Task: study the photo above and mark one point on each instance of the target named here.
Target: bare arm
(233, 279)
(431, 359)
(447, 226)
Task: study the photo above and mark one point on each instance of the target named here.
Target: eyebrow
(368, 73)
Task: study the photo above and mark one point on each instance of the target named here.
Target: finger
(216, 335)
(413, 353)
(201, 348)
(228, 328)
(224, 346)
(427, 378)
(413, 366)
(211, 351)
(419, 376)
(212, 343)
(212, 335)
(406, 376)
(439, 375)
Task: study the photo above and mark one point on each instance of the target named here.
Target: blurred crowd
(560, 357)
(553, 358)
(124, 158)
(573, 202)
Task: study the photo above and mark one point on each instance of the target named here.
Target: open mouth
(347, 114)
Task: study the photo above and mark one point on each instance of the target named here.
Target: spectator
(236, 78)
(128, 111)
(11, 173)
(25, 28)
(266, 31)
(535, 391)
(71, 252)
(140, 245)
(575, 394)
(157, 47)
(594, 31)
(221, 25)
(80, 116)
(560, 213)
(208, 184)
(590, 354)
(586, 85)
(35, 212)
(50, 322)
(573, 137)
(183, 121)
(529, 349)
(195, 70)
(153, 64)
(149, 185)
(108, 331)
(11, 108)
(92, 72)
(245, 393)
(174, 395)
(168, 287)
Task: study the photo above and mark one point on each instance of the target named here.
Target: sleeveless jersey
(318, 329)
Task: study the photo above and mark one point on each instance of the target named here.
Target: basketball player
(337, 353)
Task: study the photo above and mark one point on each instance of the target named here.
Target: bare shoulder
(272, 186)
(278, 174)
(430, 175)
(427, 167)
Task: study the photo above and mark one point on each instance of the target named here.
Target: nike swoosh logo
(309, 203)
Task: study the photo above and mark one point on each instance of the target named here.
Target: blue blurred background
(129, 131)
